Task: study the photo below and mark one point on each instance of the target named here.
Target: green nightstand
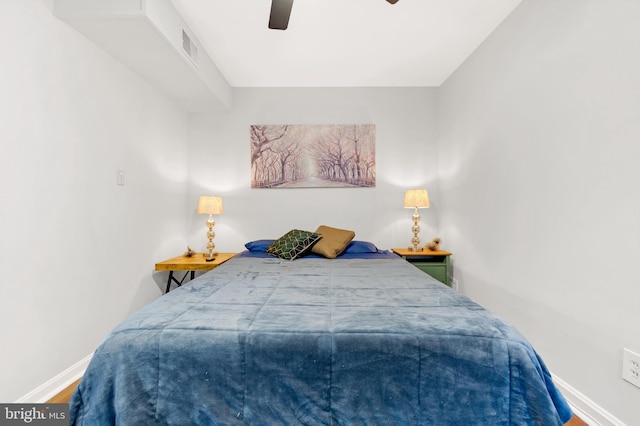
(433, 262)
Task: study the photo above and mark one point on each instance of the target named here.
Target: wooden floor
(576, 421)
(65, 395)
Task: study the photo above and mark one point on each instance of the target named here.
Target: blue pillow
(354, 247)
(360, 247)
(258, 245)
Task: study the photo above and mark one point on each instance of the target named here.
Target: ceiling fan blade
(280, 12)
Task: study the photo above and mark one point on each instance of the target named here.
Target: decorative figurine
(434, 245)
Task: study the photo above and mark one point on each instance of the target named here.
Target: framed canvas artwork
(313, 156)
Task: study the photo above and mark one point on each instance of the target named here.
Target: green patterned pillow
(293, 244)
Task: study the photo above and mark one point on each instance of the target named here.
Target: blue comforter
(316, 342)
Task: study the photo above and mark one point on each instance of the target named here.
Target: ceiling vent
(152, 39)
(190, 48)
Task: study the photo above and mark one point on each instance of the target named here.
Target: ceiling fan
(281, 10)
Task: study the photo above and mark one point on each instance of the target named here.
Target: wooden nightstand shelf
(433, 262)
(197, 262)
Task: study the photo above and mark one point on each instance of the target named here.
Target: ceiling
(343, 43)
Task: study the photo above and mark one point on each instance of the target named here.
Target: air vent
(190, 49)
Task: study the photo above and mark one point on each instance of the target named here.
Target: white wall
(77, 251)
(539, 168)
(406, 157)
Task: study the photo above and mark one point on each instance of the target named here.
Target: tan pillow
(333, 241)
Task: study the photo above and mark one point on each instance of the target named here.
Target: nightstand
(191, 264)
(433, 262)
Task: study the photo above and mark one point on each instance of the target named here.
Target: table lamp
(416, 199)
(210, 205)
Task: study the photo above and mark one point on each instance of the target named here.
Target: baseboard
(52, 387)
(590, 412)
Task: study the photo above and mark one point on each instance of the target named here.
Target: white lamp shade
(416, 198)
(210, 205)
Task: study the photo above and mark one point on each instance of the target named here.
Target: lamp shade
(416, 198)
(210, 205)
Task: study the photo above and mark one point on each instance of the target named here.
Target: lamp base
(209, 257)
(416, 231)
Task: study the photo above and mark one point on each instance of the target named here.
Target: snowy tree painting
(320, 156)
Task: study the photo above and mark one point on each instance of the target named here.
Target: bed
(362, 339)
